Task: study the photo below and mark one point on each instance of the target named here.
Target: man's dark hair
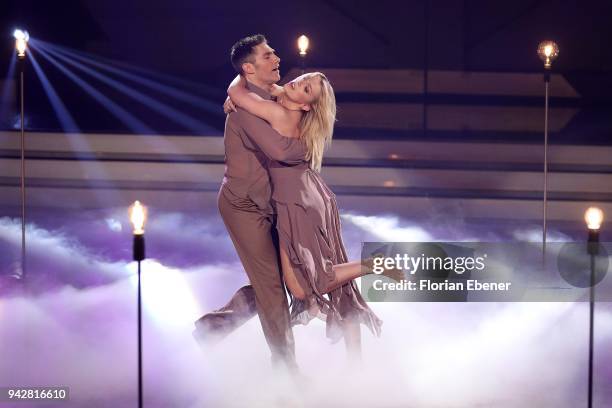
(242, 51)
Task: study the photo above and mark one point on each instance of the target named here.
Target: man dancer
(244, 204)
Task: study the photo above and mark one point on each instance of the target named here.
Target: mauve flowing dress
(308, 225)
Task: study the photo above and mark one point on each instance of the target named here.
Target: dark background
(190, 40)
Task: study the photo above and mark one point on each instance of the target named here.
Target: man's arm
(274, 145)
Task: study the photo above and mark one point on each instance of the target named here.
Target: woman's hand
(229, 106)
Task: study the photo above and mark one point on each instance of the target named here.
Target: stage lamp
(138, 217)
(593, 218)
(303, 43)
(21, 45)
(548, 51)
(21, 42)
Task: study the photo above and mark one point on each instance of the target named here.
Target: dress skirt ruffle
(310, 233)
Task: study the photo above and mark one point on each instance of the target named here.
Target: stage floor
(76, 324)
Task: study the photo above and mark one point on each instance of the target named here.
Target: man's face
(265, 66)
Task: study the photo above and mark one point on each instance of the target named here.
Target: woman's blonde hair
(317, 124)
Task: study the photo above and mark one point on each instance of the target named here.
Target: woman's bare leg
(348, 271)
(345, 272)
(289, 276)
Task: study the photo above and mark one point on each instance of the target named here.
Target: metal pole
(593, 251)
(139, 341)
(23, 195)
(138, 251)
(545, 201)
(591, 321)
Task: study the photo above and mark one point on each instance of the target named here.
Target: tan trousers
(254, 238)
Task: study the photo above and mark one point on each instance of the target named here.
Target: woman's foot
(395, 274)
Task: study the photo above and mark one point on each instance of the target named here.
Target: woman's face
(304, 90)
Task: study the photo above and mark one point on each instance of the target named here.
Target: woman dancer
(313, 257)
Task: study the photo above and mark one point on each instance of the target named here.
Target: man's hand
(229, 106)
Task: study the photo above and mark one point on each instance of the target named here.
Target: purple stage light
(171, 113)
(130, 120)
(154, 85)
(65, 118)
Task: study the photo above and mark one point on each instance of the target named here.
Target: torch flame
(138, 215)
(593, 217)
(303, 44)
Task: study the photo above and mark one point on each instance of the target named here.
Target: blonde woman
(313, 258)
